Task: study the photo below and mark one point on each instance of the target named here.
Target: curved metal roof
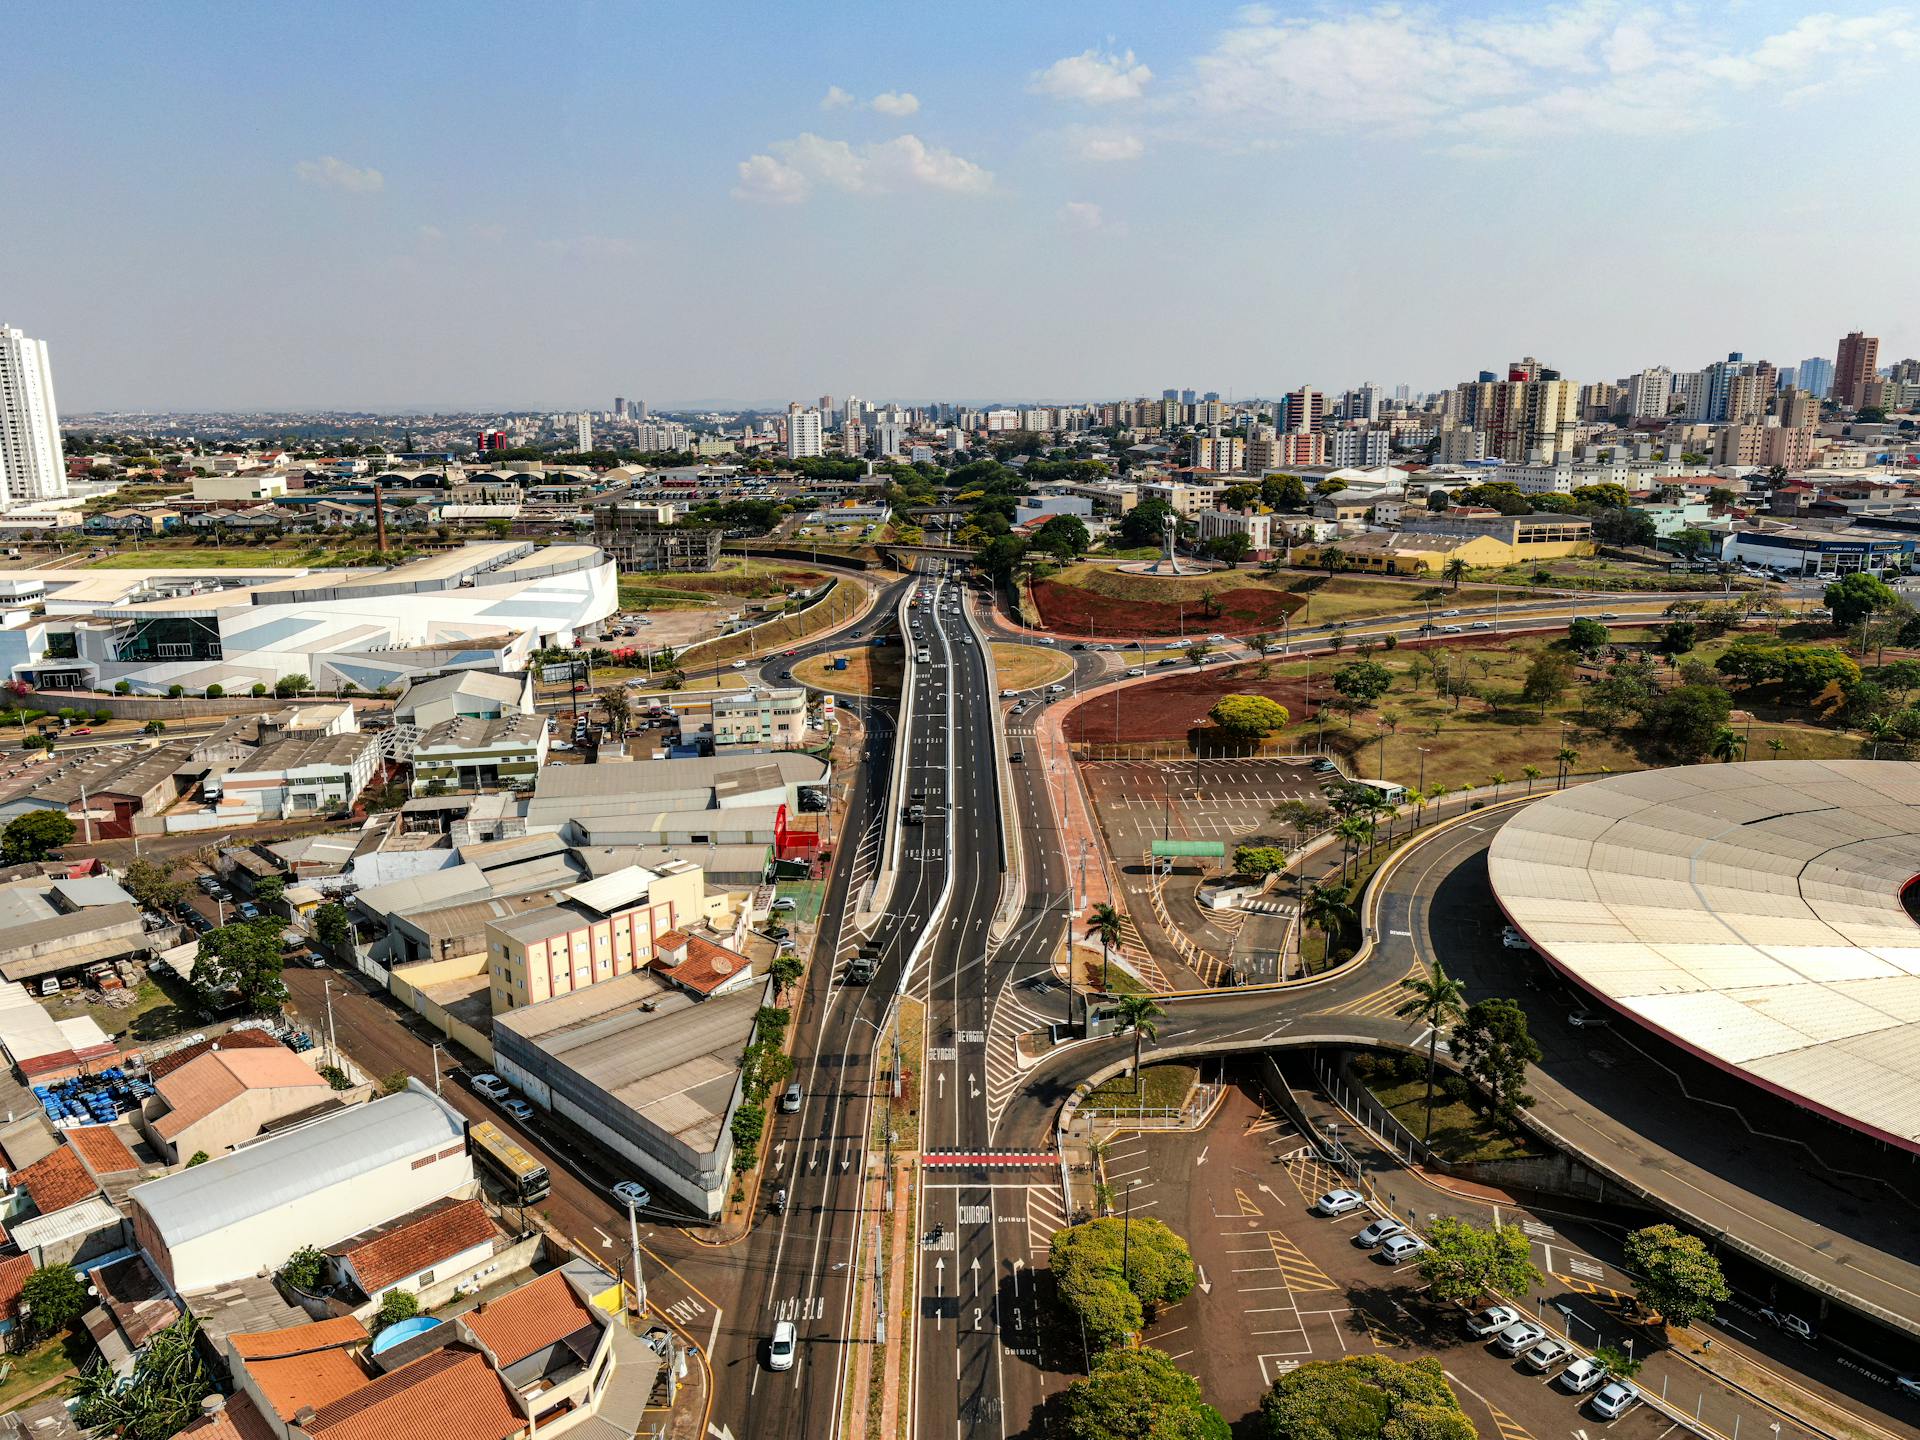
(1750, 913)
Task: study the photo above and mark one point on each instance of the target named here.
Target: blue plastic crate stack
(92, 1099)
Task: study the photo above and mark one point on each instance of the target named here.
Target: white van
(923, 655)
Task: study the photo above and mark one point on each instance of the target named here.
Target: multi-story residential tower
(1854, 367)
(803, 433)
(1649, 393)
(33, 465)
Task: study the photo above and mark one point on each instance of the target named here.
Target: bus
(506, 1161)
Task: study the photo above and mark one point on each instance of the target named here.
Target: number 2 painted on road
(976, 1319)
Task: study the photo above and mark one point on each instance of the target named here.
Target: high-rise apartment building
(491, 440)
(1854, 366)
(619, 407)
(803, 433)
(583, 432)
(1649, 393)
(1815, 376)
(1221, 454)
(1363, 445)
(1798, 409)
(1747, 397)
(1363, 403)
(33, 466)
(1302, 412)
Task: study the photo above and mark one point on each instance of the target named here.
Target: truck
(861, 968)
(916, 814)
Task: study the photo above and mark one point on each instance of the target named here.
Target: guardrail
(890, 837)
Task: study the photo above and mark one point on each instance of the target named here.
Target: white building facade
(33, 466)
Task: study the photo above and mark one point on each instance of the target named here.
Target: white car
(1547, 1354)
(1009, 694)
(1521, 1335)
(1136, 672)
(1396, 1248)
(780, 1349)
(491, 1086)
(632, 1194)
(739, 664)
(1450, 630)
(1582, 1375)
(1340, 1202)
(1216, 639)
(1376, 1232)
(1043, 640)
(1613, 1399)
(1514, 940)
(1487, 1322)
(518, 1109)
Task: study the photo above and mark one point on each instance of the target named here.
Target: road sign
(564, 672)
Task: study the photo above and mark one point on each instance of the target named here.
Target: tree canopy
(1248, 717)
(55, 1298)
(242, 959)
(1086, 1264)
(1136, 1395)
(1494, 1048)
(1142, 525)
(1678, 1276)
(1365, 1397)
(1257, 860)
(1589, 637)
(1853, 598)
(34, 836)
(1362, 681)
(1465, 1262)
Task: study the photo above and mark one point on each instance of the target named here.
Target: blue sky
(487, 204)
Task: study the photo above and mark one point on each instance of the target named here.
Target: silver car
(1521, 1335)
(1613, 1399)
(1583, 1374)
(1547, 1354)
(1376, 1232)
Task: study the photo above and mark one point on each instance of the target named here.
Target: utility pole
(433, 1054)
(639, 1280)
(333, 1047)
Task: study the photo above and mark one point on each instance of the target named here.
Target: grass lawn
(1022, 667)
(43, 1363)
(735, 579)
(656, 685)
(869, 671)
(806, 896)
(773, 636)
(636, 594)
(1459, 1131)
(903, 1115)
(1160, 1087)
(206, 558)
(1348, 598)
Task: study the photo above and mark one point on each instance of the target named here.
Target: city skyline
(735, 212)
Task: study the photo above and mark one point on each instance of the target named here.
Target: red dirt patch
(1071, 610)
(1168, 708)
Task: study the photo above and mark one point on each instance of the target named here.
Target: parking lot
(1279, 1285)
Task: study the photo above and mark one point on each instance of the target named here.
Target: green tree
(1433, 1000)
(1138, 1013)
(1677, 1275)
(1362, 681)
(785, 971)
(54, 1297)
(288, 686)
(1104, 921)
(1113, 1274)
(154, 884)
(1000, 557)
(1248, 717)
(268, 890)
(1455, 570)
(1364, 1397)
(1258, 860)
(1136, 1395)
(303, 1269)
(1062, 536)
(1142, 525)
(1588, 637)
(1328, 911)
(1231, 549)
(159, 1399)
(1493, 1047)
(1854, 598)
(1727, 744)
(395, 1306)
(1198, 651)
(1684, 721)
(1677, 637)
(1465, 1262)
(242, 959)
(32, 837)
(332, 927)
(1548, 675)
(1284, 492)
(199, 1157)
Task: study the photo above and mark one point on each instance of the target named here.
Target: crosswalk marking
(1538, 1229)
(1585, 1268)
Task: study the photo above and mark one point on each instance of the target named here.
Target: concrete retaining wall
(159, 707)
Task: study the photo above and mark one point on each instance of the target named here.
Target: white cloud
(1081, 215)
(836, 99)
(331, 171)
(1103, 146)
(1093, 77)
(1585, 68)
(898, 104)
(796, 167)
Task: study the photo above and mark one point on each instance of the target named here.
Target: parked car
(1582, 1375)
(518, 1109)
(1489, 1322)
(632, 1194)
(1547, 1354)
(780, 1349)
(1514, 940)
(1612, 1399)
(1521, 1335)
(785, 902)
(1340, 1202)
(1376, 1232)
(790, 1101)
(1587, 1019)
(1396, 1248)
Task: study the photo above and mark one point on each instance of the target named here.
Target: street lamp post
(639, 1280)
(1126, 1230)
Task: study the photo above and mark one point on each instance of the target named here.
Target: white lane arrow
(779, 1155)
(939, 1289)
(1017, 1264)
(1203, 1155)
(719, 1432)
(1206, 1285)
(976, 1275)
(940, 1078)
(973, 1087)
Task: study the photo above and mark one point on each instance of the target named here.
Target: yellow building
(1423, 551)
(603, 928)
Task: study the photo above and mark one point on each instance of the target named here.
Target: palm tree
(1726, 745)
(1139, 1012)
(1532, 772)
(1418, 799)
(1354, 831)
(1327, 911)
(1496, 780)
(1433, 1000)
(1104, 921)
(1566, 757)
(1455, 570)
(1878, 729)
(1776, 745)
(614, 700)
